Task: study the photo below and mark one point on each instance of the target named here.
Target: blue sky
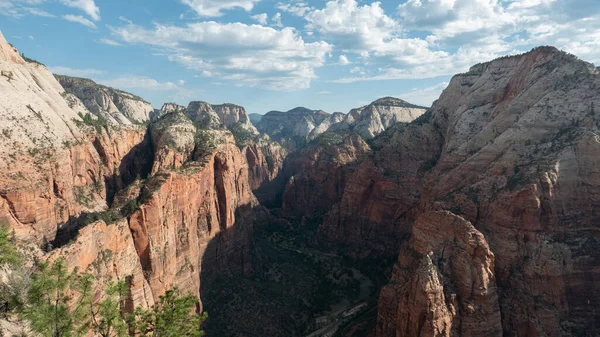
(275, 55)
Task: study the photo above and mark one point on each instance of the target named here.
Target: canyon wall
(83, 181)
(490, 196)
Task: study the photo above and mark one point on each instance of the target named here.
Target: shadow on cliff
(136, 164)
(232, 252)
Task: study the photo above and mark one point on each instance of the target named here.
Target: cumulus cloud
(351, 26)
(295, 8)
(276, 19)
(88, 6)
(452, 34)
(215, 8)
(75, 72)
(261, 18)
(343, 60)
(80, 19)
(247, 55)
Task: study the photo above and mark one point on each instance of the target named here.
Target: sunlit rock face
(506, 235)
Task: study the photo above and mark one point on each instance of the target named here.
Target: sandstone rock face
(265, 161)
(443, 283)
(231, 114)
(51, 168)
(118, 107)
(173, 140)
(188, 221)
(108, 253)
(203, 114)
(326, 124)
(373, 119)
(519, 163)
(165, 109)
(196, 223)
(292, 128)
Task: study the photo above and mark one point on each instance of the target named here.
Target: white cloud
(88, 6)
(110, 42)
(324, 92)
(343, 60)
(353, 27)
(298, 8)
(140, 82)
(214, 8)
(453, 34)
(246, 55)
(276, 19)
(261, 18)
(20, 8)
(31, 37)
(424, 96)
(80, 19)
(75, 72)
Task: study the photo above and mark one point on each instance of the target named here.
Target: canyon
(474, 217)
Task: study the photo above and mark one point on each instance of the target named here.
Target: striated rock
(181, 193)
(231, 114)
(202, 114)
(519, 161)
(116, 106)
(173, 140)
(443, 283)
(292, 128)
(380, 115)
(325, 125)
(165, 109)
(265, 161)
(51, 168)
(108, 253)
(195, 224)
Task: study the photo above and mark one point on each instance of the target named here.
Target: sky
(276, 55)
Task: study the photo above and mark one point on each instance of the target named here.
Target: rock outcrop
(116, 106)
(174, 200)
(292, 128)
(517, 180)
(202, 114)
(373, 119)
(232, 115)
(53, 166)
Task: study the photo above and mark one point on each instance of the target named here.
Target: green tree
(172, 316)
(9, 255)
(56, 301)
(107, 316)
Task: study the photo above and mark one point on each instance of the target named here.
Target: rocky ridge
(491, 195)
(115, 106)
(122, 202)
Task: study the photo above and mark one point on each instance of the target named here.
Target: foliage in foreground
(59, 303)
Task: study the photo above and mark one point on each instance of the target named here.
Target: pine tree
(8, 251)
(107, 316)
(50, 308)
(172, 316)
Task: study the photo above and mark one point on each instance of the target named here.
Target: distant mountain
(255, 118)
(291, 128)
(373, 119)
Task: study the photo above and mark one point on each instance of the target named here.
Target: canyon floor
(298, 280)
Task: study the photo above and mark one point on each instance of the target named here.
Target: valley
(477, 216)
